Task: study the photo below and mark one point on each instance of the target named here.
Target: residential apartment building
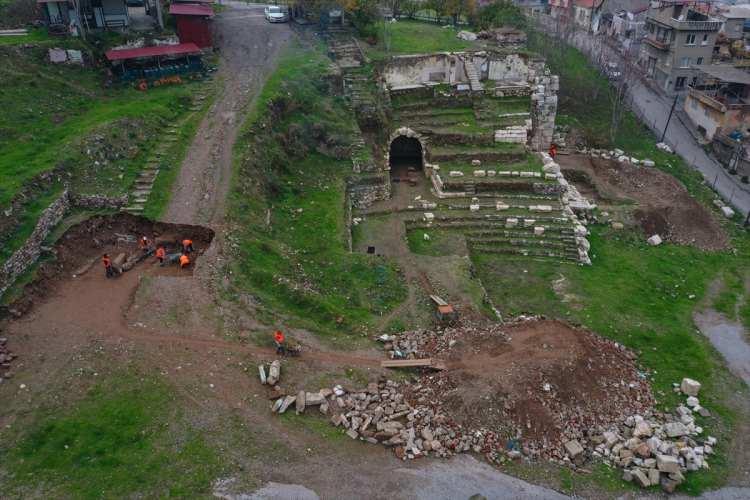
(677, 39)
(585, 14)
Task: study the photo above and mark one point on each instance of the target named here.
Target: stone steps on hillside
(473, 75)
(136, 208)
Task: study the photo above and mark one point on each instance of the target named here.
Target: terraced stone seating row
(479, 222)
(557, 233)
(550, 206)
(530, 242)
(506, 153)
(569, 255)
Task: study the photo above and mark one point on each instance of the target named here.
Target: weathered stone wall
(366, 191)
(547, 189)
(10, 216)
(543, 110)
(509, 68)
(93, 201)
(441, 67)
(512, 91)
(30, 251)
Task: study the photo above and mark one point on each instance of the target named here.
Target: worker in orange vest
(187, 245)
(109, 271)
(184, 261)
(160, 254)
(278, 339)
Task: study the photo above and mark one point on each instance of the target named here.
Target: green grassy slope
(288, 207)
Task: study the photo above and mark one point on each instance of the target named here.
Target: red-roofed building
(192, 21)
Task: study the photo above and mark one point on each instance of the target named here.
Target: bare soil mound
(81, 247)
(542, 381)
(664, 205)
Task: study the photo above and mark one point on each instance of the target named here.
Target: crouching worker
(144, 244)
(109, 271)
(160, 255)
(187, 246)
(184, 261)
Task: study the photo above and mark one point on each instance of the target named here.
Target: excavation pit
(78, 252)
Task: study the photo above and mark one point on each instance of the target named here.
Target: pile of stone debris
(417, 417)
(5, 358)
(382, 414)
(655, 449)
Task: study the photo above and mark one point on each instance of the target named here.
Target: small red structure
(192, 23)
(156, 51)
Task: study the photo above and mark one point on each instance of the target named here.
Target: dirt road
(249, 47)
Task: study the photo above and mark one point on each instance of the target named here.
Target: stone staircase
(144, 183)
(471, 72)
(356, 88)
(344, 50)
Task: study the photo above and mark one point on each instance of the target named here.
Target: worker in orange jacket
(278, 339)
(109, 271)
(187, 245)
(160, 254)
(553, 150)
(184, 261)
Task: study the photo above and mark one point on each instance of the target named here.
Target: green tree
(500, 13)
(457, 8)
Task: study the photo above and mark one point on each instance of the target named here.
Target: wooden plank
(406, 363)
(437, 300)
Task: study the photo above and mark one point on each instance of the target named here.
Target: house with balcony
(84, 15)
(718, 102)
(677, 38)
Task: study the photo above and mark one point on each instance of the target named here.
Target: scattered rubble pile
(655, 449)
(5, 358)
(533, 388)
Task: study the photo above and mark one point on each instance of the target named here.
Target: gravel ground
(249, 48)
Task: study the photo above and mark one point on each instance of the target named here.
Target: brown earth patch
(542, 381)
(664, 205)
(80, 248)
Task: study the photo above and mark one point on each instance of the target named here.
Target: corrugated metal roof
(726, 73)
(190, 9)
(158, 50)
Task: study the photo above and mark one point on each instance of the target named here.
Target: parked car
(276, 14)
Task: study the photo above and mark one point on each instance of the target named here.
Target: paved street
(653, 108)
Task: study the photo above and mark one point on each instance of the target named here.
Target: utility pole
(674, 103)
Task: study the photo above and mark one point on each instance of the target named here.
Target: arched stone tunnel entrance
(406, 152)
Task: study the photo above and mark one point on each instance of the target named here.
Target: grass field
(125, 438)
(288, 205)
(414, 37)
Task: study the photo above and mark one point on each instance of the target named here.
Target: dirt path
(249, 48)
